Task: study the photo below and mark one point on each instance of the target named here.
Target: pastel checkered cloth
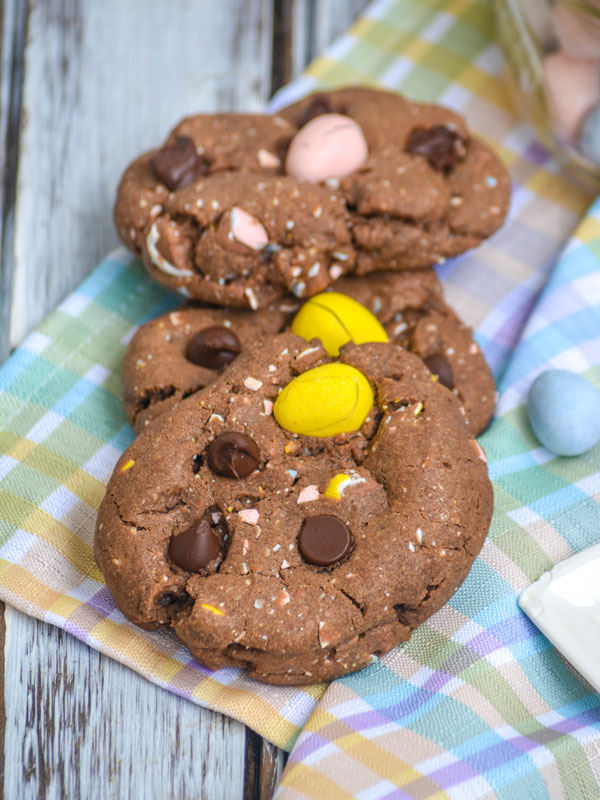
(477, 704)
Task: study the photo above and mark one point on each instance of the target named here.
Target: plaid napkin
(482, 699)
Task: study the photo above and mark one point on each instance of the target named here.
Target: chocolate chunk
(233, 454)
(324, 540)
(213, 347)
(171, 598)
(320, 104)
(438, 365)
(441, 146)
(196, 547)
(179, 164)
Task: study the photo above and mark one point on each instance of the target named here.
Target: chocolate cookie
(298, 557)
(161, 365)
(179, 353)
(427, 190)
(221, 226)
(374, 182)
(202, 145)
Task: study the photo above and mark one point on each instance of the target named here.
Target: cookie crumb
(252, 383)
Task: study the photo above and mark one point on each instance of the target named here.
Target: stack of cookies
(306, 488)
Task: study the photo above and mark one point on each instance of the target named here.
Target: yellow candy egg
(336, 319)
(324, 401)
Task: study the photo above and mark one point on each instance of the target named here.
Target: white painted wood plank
(12, 36)
(300, 35)
(315, 24)
(332, 18)
(83, 726)
(105, 79)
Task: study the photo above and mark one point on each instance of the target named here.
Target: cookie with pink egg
(419, 187)
(238, 210)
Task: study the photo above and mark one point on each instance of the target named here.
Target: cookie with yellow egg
(302, 514)
(177, 354)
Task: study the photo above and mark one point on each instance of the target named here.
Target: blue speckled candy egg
(564, 411)
(589, 136)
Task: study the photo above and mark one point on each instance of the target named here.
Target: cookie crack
(151, 396)
(130, 523)
(167, 509)
(354, 602)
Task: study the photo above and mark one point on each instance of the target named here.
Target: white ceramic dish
(565, 605)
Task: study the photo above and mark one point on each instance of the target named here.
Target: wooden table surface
(85, 85)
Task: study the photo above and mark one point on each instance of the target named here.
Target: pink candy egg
(329, 146)
(573, 86)
(247, 229)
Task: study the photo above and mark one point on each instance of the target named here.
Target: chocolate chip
(170, 598)
(197, 462)
(320, 104)
(441, 146)
(324, 540)
(438, 365)
(213, 347)
(233, 454)
(196, 547)
(179, 164)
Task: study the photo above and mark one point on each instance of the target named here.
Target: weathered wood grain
(12, 37)
(83, 726)
(263, 766)
(105, 79)
(303, 29)
(329, 19)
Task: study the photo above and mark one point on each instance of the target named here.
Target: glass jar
(552, 49)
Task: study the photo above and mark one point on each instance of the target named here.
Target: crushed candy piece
(213, 610)
(308, 494)
(283, 597)
(267, 159)
(252, 383)
(249, 515)
(478, 449)
(340, 482)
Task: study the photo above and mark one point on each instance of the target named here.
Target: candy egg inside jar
(552, 51)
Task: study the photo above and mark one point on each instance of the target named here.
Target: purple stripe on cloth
(368, 719)
(102, 601)
(397, 794)
(437, 681)
(537, 153)
(305, 746)
(589, 717)
(77, 631)
(494, 756)
(197, 666)
(525, 744)
(529, 742)
(450, 775)
(516, 310)
(512, 630)
(484, 643)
